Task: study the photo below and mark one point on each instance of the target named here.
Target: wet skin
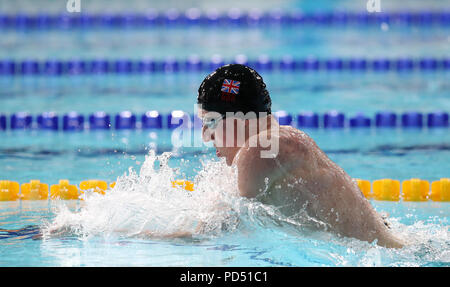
(299, 178)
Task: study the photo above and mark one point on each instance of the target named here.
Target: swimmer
(292, 173)
(277, 165)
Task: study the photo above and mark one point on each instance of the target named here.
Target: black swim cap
(234, 88)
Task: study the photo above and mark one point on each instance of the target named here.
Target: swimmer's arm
(175, 234)
(53, 232)
(255, 174)
(154, 235)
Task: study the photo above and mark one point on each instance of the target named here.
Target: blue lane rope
(74, 121)
(195, 64)
(234, 18)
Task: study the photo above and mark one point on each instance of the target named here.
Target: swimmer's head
(234, 88)
(228, 99)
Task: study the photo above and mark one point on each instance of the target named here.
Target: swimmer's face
(214, 128)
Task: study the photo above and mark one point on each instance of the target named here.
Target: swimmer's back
(304, 179)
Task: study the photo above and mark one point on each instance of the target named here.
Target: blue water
(180, 43)
(260, 238)
(368, 154)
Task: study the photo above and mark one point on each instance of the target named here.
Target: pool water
(347, 92)
(255, 234)
(239, 232)
(50, 156)
(261, 238)
(258, 246)
(179, 43)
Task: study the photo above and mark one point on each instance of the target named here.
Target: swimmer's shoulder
(291, 132)
(286, 133)
(293, 145)
(289, 139)
(294, 140)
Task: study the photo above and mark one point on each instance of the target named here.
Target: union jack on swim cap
(234, 88)
(230, 86)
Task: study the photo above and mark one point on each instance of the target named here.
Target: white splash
(146, 203)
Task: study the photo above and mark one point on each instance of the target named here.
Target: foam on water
(145, 204)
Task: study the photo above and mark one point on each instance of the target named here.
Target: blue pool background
(366, 153)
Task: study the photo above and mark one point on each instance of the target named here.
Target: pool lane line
(386, 189)
(193, 63)
(211, 19)
(127, 120)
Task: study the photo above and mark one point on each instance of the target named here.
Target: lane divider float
(74, 121)
(55, 67)
(413, 189)
(36, 190)
(212, 18)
